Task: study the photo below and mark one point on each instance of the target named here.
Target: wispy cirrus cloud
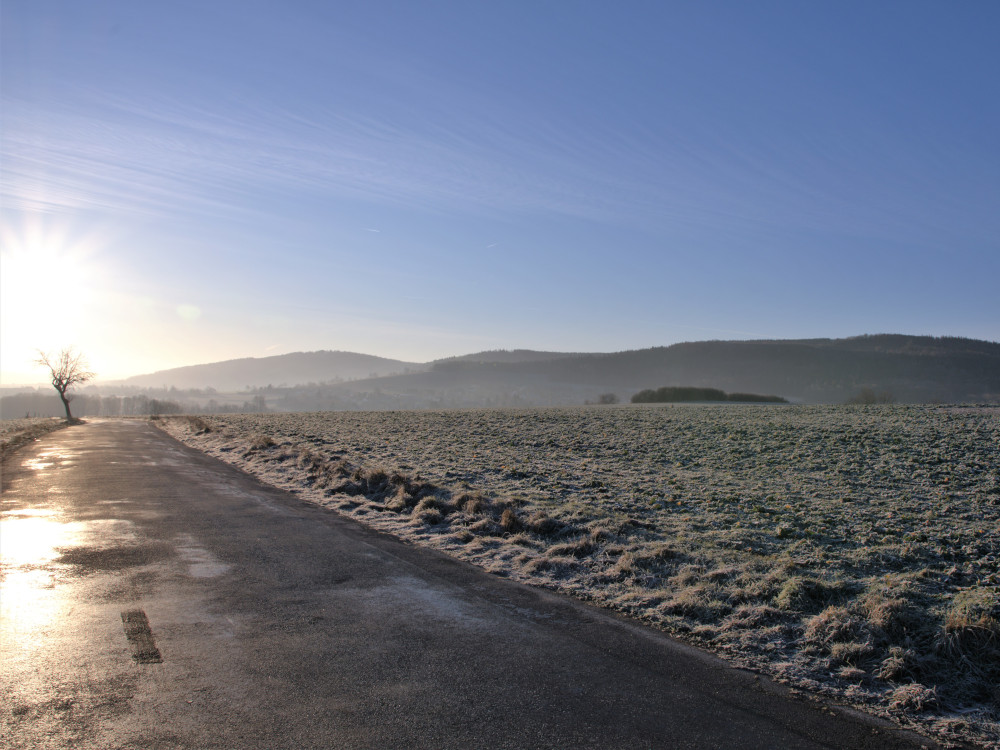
(161, 155)
(170, 156)
(379, 124)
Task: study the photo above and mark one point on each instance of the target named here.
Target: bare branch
(68, 369)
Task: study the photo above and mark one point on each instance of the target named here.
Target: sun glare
(49, 284)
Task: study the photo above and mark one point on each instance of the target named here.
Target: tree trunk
(69, 417)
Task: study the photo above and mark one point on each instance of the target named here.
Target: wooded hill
(911, 369)
(904, 369)
(280, 370)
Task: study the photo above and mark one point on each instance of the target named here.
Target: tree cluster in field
(605, 399)
(868, 396)
(686, 394)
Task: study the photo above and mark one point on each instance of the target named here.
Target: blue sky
(188, 182)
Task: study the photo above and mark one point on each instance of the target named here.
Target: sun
(50, 280)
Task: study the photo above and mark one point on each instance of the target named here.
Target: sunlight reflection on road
(30, 541)
(32, 536)
(44, 461)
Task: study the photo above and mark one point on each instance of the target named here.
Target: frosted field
(850, 551)
(15, 432)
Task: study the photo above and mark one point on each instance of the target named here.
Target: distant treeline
(681, 394)
(41, 404)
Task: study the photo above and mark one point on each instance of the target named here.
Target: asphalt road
(153, 597)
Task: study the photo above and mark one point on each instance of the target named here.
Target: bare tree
(67, 370)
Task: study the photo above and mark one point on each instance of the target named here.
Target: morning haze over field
(187, 183)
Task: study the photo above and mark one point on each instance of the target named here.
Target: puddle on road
(29, 603)
(201, 563)
(135, 508)
(32, 536)
(29, 541)
(47, 460)
(40, 464)
(428, 604)
(32, 539)
(27, 513)
(33, 545)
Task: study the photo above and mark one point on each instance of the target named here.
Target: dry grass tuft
(706, 603)
(198, 425)
(428, 515)
(434, 502)
(974, 608)
(913, 697)
(890, 608)
(804, 594)
(554, 567)
(260, 441)
(311, 461)
(540, 523)
(896, 617)
(970, 637)
(851, 652)
(487, 526)
(901, 665)
(401, 501)
(650, 567)
(376, 480)
(753, 616)
(835, 625)
(510, 522)
(601, 533)
(852, 674)
(580, 547)
(473, 503)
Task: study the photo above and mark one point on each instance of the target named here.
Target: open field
(851, 551)
(16, 432)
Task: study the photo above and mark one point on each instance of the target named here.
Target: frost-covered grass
(852, 551)
(17, 432)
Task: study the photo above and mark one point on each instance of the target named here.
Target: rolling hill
(912, 369)
(294, 369)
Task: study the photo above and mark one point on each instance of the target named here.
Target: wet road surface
(153, 597)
